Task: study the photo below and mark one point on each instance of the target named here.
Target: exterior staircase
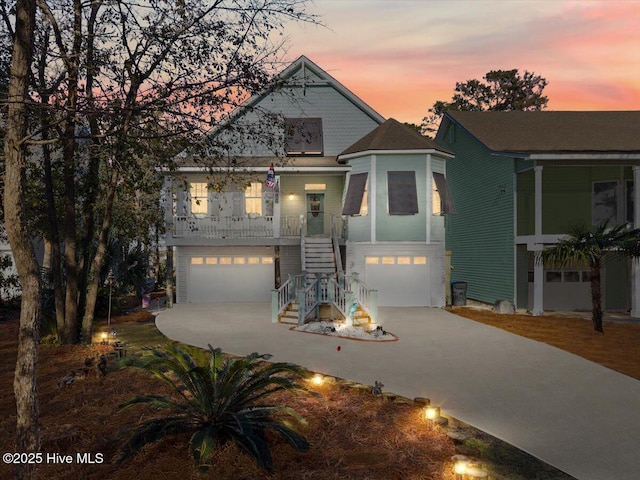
(319, 258)
(323, 291)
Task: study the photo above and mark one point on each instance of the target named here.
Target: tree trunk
(70, 332)
(93, 176)
(169, 277)
(54, 257)
(24, 384)
(596, 296)
(98, 259)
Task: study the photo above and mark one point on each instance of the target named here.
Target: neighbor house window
(604, 202)
(253, 199)
(355, 202)
(403, 194)
(441, 196)
(198, 193)
(629, 203)
(303, 136)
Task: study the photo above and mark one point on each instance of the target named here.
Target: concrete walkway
(571, 413)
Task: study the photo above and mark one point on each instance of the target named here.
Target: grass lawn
(353, 434)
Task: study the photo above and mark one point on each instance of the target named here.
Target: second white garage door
(401, 280)
(230, 278)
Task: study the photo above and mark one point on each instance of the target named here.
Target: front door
(315, 213)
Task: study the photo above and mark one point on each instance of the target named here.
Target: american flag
(270, 182)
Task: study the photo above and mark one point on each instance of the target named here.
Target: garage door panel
(238, 281)
(405, 284)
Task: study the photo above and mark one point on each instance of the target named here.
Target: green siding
(393, 228)
(480, 236)
(566, 196)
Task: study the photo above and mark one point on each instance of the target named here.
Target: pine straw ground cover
(618, 348)
(353, 434)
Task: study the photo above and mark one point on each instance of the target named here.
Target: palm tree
(217, 400)
(592, 247)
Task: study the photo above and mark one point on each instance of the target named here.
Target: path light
(105, 338)
(317, 379)
(460, 468)
(431, 413)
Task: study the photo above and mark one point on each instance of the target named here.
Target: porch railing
(223, 227)
(245, 227)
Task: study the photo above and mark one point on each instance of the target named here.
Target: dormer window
(303, 136)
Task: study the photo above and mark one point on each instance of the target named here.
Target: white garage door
(230, 278)
(401, 280)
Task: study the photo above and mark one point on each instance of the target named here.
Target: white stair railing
(282, 297)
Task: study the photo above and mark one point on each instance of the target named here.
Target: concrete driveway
(571, 413)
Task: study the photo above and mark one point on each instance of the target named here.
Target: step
(308, 240)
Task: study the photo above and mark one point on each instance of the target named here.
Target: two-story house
(520, 180)
(236, 240)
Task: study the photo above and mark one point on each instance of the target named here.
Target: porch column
(635, 263)
(538, 269)
(276, 209)
(371, 205)
(429, 194)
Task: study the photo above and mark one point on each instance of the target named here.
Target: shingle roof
(392, 135)
(548, 131)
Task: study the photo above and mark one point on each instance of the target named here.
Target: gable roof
(550, 131)
(391, 136)
(318, 77)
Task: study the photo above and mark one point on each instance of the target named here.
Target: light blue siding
(391, 228)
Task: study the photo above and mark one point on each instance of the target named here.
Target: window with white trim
(199, 195)
(253, 199)
(303, 136)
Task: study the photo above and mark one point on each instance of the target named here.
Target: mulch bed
(353, 434)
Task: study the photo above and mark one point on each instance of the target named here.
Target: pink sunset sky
(400, 56)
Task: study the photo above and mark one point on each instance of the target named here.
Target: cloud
(402, 56)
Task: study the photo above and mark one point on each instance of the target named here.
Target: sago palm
(217, 400)
(591, 247)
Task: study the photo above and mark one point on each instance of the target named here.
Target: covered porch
(554, 191)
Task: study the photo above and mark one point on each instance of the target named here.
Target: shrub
(217, 400)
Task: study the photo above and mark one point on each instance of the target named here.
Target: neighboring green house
(520, 179)
(395, 199)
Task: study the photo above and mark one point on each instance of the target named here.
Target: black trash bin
(458, 293)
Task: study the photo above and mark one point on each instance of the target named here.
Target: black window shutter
(403, 195)
(355, 192)
(445, 194)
